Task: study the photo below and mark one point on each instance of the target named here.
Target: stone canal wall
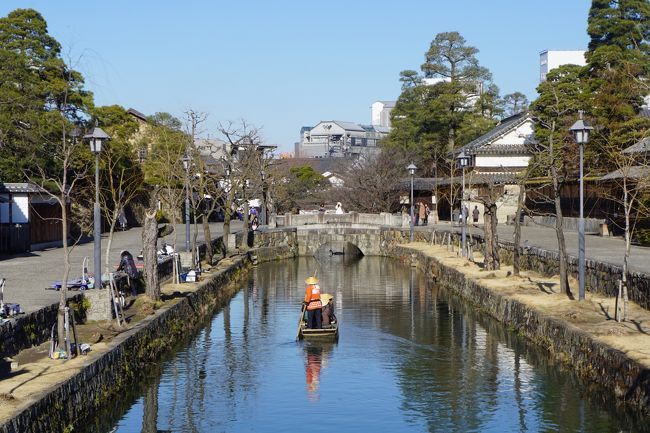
(32, 329)
(600, 277)
(105, 375)
(628, 380)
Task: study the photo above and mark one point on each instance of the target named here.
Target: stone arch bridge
(351, 233)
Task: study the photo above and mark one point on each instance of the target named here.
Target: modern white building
(335, 138)
(380, 113)
(551, 59)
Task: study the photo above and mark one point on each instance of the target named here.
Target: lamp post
(463, 161)
(96, 139)
(411, 168)
(263, 215)
(580, 131)
(186, 166)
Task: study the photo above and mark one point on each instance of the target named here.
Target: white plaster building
(497, 157)
(551, 59)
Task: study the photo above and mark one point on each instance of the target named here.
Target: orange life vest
(312, 297)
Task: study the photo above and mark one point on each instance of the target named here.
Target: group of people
(422, 214)
(319, 306)
(476, 213)
(338, 209)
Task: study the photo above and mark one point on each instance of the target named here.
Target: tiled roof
(635, 172)
(348, 126)
(14, 188)
(505, 126)
(137, 114)
(640, 147)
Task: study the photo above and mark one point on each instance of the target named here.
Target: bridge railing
(380, 219)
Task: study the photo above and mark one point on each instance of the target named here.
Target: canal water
(410, 357)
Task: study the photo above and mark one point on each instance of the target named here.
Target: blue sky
(283, 64)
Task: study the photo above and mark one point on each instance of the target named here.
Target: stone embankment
(58, 396)
(615, 356)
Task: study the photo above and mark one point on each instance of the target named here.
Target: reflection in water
(410, 357)
(315, 358)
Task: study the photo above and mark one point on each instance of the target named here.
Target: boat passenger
(313, 303)
(328, 310)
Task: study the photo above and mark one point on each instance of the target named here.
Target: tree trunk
(492, 261)
(559, 222)
(561, 245)
(244, 245)
(496, 261)
(226, 232)
(487, 230)
(516, 256)
(209, 252)
(628, 243)
(149, 240)
(109, 243)
(195, 237)
(63, 294)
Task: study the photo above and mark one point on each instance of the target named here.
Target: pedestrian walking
(427, 211)
(475, 214)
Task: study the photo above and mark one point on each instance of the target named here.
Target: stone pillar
(100, 304)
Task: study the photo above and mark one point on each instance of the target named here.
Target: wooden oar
(302, 314)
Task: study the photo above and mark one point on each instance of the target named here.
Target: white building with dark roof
(496, 158)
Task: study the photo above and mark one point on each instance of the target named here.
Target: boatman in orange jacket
(313, 303)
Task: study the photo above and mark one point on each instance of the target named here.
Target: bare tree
(489, 194)
(631, 179)
(61, 187)
(370, 183)
(521, 203)
(196, 180)
(149, 241)
(123, 182)
(164, 168)
(239, 159)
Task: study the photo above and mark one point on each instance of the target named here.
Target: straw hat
(325, 298)
(311, 280)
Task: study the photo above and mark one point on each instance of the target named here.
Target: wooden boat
(329, 332)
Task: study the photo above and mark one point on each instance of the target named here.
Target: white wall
(19, 209)
(501, 161)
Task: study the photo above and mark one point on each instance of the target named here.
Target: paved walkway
(603, 249)
(28, 275)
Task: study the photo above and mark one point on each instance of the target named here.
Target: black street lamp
(463, 161)
(580, 131)
(96, 139)
(186, 166)
(411, 168)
